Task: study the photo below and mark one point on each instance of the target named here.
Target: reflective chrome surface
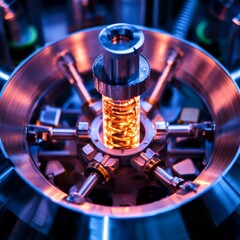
(42, 206)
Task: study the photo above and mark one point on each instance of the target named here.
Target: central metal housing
(121, 72)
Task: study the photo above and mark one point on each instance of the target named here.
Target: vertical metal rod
(75, 15)
(184, 19)
(155, 11)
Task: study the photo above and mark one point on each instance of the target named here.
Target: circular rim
(95, 136)
(205, 180)
(133, 46)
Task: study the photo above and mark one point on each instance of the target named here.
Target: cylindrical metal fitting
(121, 45)
(121, 72)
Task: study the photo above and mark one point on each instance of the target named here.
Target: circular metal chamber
(42, 206)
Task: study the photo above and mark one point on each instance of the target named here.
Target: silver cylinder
(88, 184)
(121, 44)
(121, 72)
(63, 134)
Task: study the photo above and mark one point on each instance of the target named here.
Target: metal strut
(99, 170)
(172, 63)
(40, 133)
(67, 65)
(148, 163)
